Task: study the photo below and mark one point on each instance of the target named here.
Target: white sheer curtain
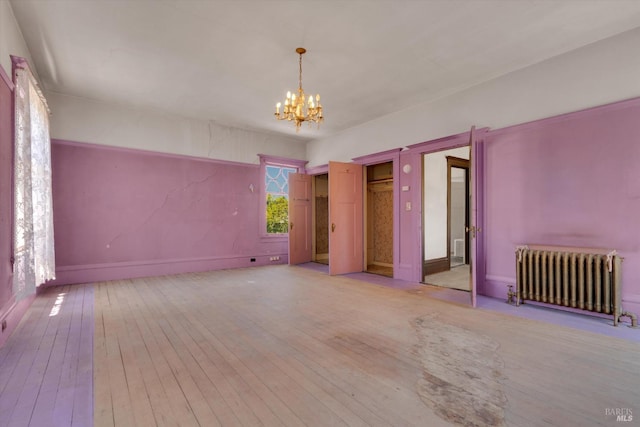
(33, 212)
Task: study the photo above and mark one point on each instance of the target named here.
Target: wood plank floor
(291, 346)
(46, 371)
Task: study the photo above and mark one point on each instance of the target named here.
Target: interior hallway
(292, 346)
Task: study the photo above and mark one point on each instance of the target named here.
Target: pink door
(346, 253)
(474, 229)
(299, 218)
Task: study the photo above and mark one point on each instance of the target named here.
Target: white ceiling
(231, 61)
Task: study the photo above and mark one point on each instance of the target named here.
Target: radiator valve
(632, 316)
(512, 297)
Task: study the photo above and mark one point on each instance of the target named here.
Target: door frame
(387, 156)
(314, 172)
(456, 162)
(367, 210)
(474, 139)
(314, 217)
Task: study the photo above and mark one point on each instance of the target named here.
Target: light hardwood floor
(46, 376)
(291, 346)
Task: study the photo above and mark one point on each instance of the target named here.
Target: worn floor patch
(462, 374)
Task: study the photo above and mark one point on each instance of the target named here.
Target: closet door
(299, 218)
(345, 218)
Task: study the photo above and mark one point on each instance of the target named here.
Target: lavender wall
(571, 180)
(127, 213)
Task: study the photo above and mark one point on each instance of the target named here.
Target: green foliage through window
(277, 185)
(277, 214)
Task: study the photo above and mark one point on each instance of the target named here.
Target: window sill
(274, 237)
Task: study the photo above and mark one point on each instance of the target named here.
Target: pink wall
(6, 198)
(572, 180)
(127, 213)
(8, 310)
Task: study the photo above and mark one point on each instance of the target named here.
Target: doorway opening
(446, 219)
(320, 247)
(379, 219)
(458, 202)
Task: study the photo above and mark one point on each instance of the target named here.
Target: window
(275, 210)
(34, 255)
(277, 189)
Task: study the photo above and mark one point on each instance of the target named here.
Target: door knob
(473, 230)
(291, 225)
(333, 227)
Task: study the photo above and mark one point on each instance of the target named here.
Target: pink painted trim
(14, 314)
(451, 141)
(5, 77)
(8, 81)
(284, 161)
(447, 142)
(154, 262)
(381, 157)
(8, 307)
(115, 271)
(631, 303)
(580, 114)
(481, 251)
(633, 298)
(149, 152)
(19, 62)
(318, 170)
(568, 309)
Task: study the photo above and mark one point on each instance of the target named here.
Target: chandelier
(298, 108)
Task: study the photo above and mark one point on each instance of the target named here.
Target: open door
(299, 218)
(346, 253)
(474, 228)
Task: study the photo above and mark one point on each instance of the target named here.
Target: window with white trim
(275, 193)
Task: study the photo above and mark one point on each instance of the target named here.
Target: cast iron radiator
(586, 279)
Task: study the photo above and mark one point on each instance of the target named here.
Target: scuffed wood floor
(289, 346)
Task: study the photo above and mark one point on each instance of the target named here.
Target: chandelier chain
(300, 75)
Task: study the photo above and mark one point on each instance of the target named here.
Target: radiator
(586, 279)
